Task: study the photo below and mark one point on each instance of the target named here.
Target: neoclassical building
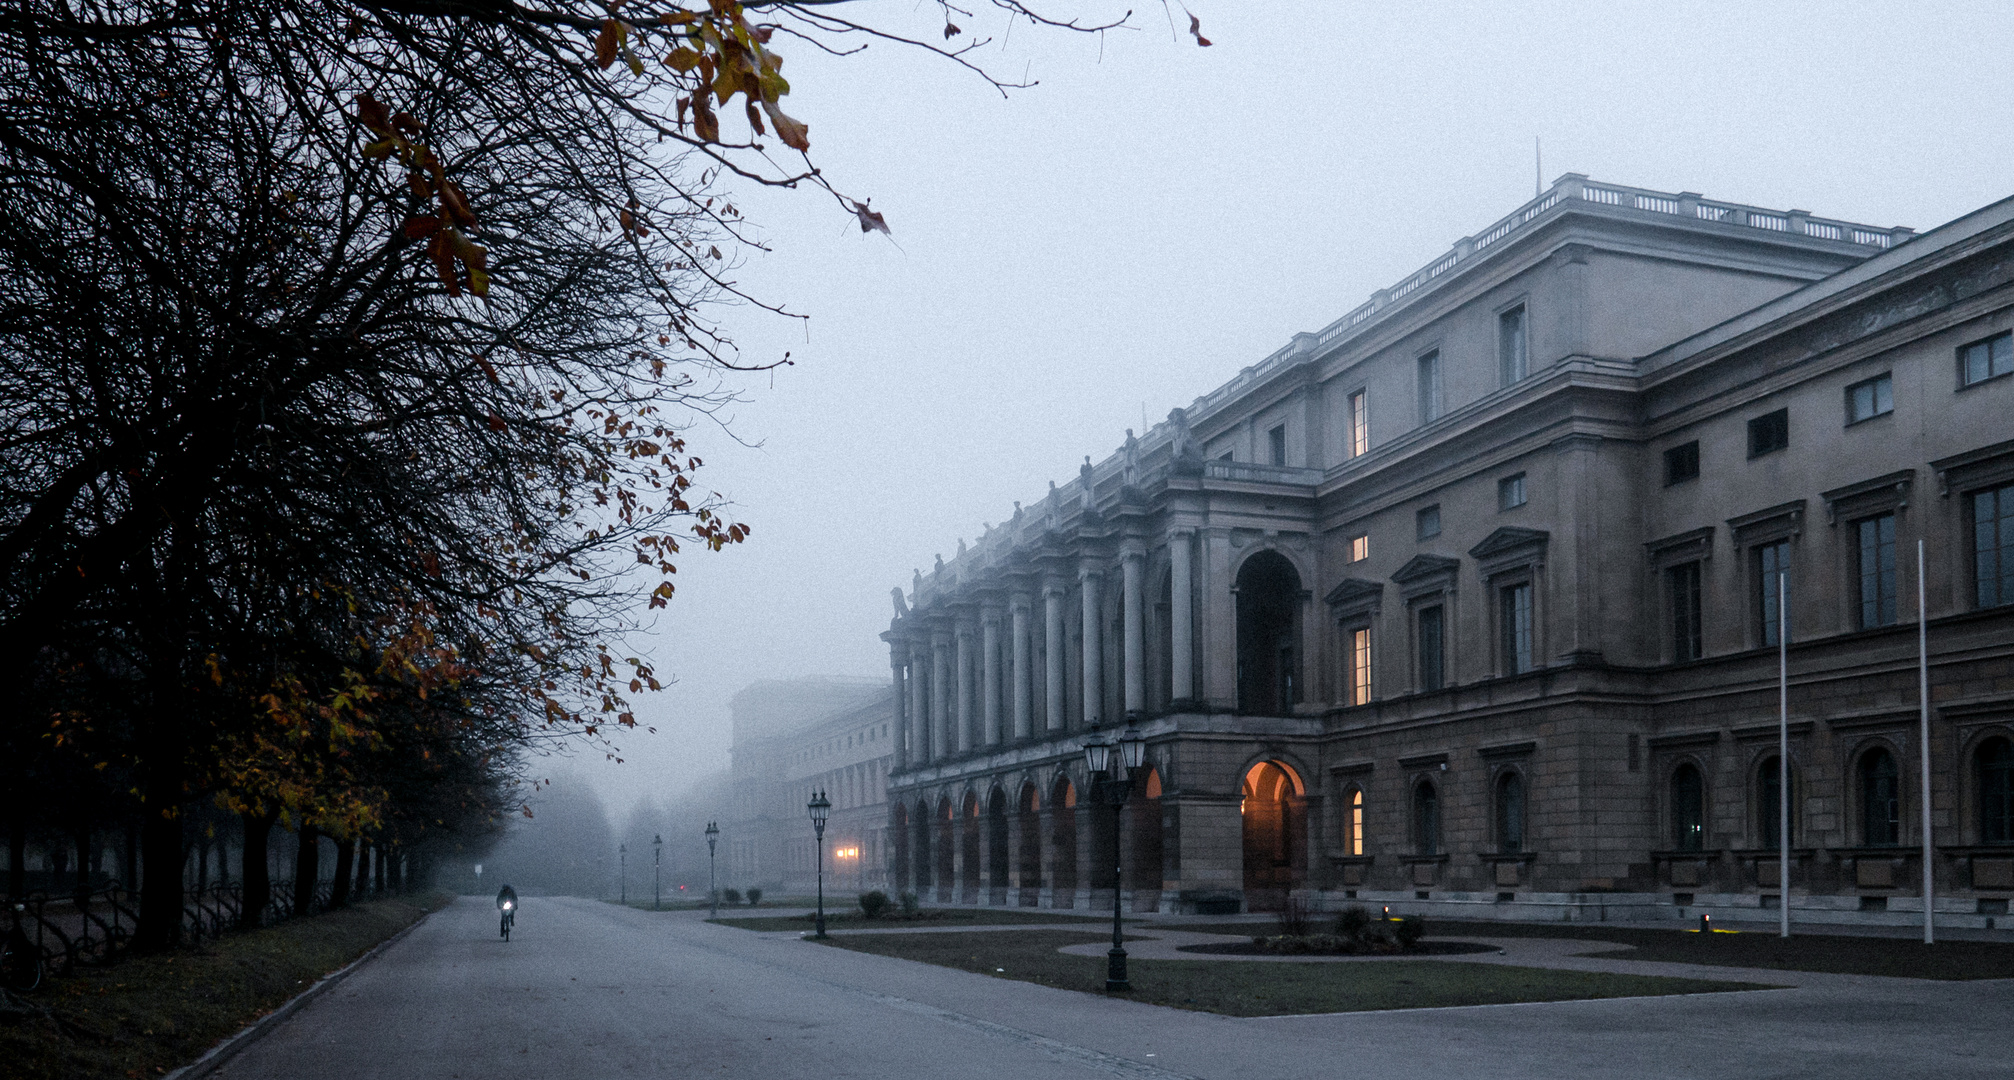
(793, 737)
(1468, 600)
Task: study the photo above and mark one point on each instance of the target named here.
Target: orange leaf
(794, 133)
(605, 45)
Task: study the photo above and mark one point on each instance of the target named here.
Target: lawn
(1245, 988)
(1837, 953)
(145, 1015)
(852, 919)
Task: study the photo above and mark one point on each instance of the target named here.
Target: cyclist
(507, 903)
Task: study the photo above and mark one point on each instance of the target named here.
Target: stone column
(1094, 647)
(989, 668)
(1053, 656)
(965, 710)
(919, 704)
(896, 655)
(1135, 636)
(1024, 706)
(1181, 611)
(940, 697)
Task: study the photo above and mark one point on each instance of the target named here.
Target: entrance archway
(1269, 617)
(1274, 808)
(1029, 858)
(945, 849)
(1143, 855)
(898, 835)
(997, 859)
(1063, 844)
(968, 850)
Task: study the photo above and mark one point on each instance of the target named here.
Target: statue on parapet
(1185, 452)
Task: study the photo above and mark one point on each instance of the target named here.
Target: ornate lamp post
(820, 807)
(1112, 764)
(622, 864)
(656, 859)
(712, 890)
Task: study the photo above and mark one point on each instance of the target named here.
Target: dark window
(1688, 808)
(1772, 564)
(1426, 818)
(1433, 653)
(1880, 799)
(1514, 619)
(1681, 463)
(1769, 806)
(1867, 400)
(1877, 570)
(1769, 433)
(1276, 442)
(1681, 586)
(1512, 358)
(1510, 813)
(1993, 545)
(1430, 387)
(1427, 523)
(1983, 360)
(1510, 492)
(1228, 456)
(1995, 759)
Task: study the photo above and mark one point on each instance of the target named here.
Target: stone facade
(793, 738)
(1468, 599)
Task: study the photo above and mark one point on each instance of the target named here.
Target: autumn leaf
(951, 31)
(605, 43)
(795, 133)
(870, 220)
(1195, 30)
(421, 227)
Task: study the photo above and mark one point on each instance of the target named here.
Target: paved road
(592, 990)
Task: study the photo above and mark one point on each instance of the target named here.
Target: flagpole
(1783, 751)
(1923, 708)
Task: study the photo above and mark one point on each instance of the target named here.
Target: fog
(1079, 258)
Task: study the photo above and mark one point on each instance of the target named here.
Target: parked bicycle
(20, 957)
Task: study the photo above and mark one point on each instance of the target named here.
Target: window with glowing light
(1356, 826)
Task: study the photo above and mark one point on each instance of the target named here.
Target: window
(1360, 425)
(1867, 400)
(1427, 523)
(1769, 433)
(1360, 665)
(1360, 548)
(1876, 576)
(1983, 360)
(1430, 387)
(1681, 463)
(1276, 443)
(1512, 360)
(1514, 620)
(1681, 587)
(1769, 808)
(1510, 813)
(1995, 761)
(1772, 564)
(1433, 655)
(1355, 829)
(1880, 799)
(1993, 545)
(1228, 456)
(1426, 818)
(1688, 808)
(1510, 492)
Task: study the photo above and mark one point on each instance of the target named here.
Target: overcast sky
(1153, 217)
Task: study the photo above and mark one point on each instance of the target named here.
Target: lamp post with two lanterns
(712, 889)
(1113, 763)
(820, 807)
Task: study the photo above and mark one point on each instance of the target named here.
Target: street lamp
(622, 867)
(820, 807)
(712, 890)
(1127, 752)
(656, 860)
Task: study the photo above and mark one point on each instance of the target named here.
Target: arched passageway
(898, 857)
(1063, 843)
(968, 851)
(997, 860)
(920, 848)
(1269, 606)
(1274, 808)
(1143, 854)
(945, 879)
(1029, 858)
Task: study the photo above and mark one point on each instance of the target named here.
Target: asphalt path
(591, 990)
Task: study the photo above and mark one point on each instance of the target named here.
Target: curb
(216, 1056)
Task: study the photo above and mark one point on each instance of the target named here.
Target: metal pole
(656, 890)
(1783, 750)
(821, 881)
(1115, 960)
(1923, 710)
(712, 886)
(622, 861)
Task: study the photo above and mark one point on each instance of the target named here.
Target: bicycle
(20, 957)
(509, 917)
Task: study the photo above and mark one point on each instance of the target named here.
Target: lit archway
(1143, 848)
(1269, 607)
(1274, 809)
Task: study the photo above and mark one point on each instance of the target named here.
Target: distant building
(1469, 599)
(792, 738)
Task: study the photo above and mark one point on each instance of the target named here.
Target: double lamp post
(1113, 763)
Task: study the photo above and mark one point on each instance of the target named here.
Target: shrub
(1352, 920)
(1410, 930)
(910, 905)
(873, 903)
(754, 897)
(732, 896)
(1294, 918)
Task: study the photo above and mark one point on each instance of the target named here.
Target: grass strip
(1834, 953)
(854, 920)
(1247, 988)
(146, 1015)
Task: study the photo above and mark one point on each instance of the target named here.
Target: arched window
(1353, 829)
(1880, 799)
(1995, 758)
(1510, 812)
(1767, 808)
(1426, 818)
(1688, 808)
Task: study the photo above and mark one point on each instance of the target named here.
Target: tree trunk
(307, 868)
(161, 853)
(17, 856)
(379, 850)
(339, 887)
(258, 891)
(363, 887)
(398, 870)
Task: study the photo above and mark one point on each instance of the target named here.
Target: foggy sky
(1140, 226)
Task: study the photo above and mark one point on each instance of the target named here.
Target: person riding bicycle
(507, 903)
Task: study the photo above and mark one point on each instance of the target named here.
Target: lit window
(1357, 822)
(1360, 548)
(1867, 400)
(1360, 425)
(1427, 523)
(1360, 666)
(1510, 492)
(1983, 360)
(1511, 353)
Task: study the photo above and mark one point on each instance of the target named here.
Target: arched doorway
(1143, 855)
(898, 835)
(1029, 858)
(1063, 844)
(946, 849)
(997, 860)
(1269, 607)
(1274, 808)
(920, 848)
(968, 850)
